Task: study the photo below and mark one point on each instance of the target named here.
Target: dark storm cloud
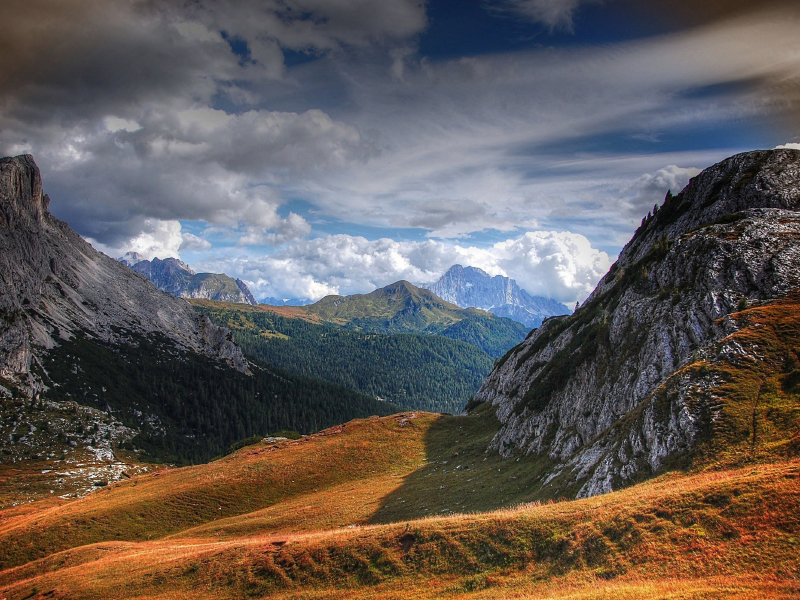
(70, 62)
(115, 100)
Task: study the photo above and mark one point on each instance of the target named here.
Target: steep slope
(53, 284)
(622, 388)
(80, 329)
(501, 296)
(416, 372)
(176, 277)
(404, 308)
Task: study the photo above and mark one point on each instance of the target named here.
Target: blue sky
(311, 147)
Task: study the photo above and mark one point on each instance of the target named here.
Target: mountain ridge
(502, 296)
(413, 371)
(402, 307)
(179, 279)
(79, 329)
(54, 284)
(592, 392)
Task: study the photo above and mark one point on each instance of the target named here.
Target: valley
(645, 446)
(413, 371)
(400, 300)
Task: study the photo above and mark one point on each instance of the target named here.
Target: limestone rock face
(53, 285)
(470, 287)
(176, 277)
(581, 389)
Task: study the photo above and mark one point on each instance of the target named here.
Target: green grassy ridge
(404, 308)
(190, 408)
(424, 372)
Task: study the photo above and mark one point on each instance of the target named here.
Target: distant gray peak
(131, 259)
(273, 301)
(176, 277)
(471, 287)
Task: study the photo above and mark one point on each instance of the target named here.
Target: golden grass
(724, 534)
(338, 514)
(758, 391)
(254, 478)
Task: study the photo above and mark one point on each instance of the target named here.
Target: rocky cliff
(603, 396)
(53, 285)
(472, 287)
(176, 277)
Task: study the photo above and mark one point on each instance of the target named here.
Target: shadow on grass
(460, 475)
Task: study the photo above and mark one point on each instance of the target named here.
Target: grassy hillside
(405, 308)
(714, 534)
(424, 372)
(190, 408)
(405, 506)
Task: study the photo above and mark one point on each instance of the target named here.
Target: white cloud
(116, 124)
(789, 146)
(124, 124)
(196, 164)
(651, 188)
(192, 242)
(291, 228)
(159, 238)
(560, 265)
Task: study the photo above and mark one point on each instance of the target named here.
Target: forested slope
(427, 372)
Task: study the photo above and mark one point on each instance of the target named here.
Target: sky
(313, 147)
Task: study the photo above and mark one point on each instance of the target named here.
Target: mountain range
(54, 286)
(402, 307)
(473, 287)
(273, 301)
(668, 404)
(79, 328)
(411, 370)
(177, 278)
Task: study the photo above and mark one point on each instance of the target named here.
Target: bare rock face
(176, 277)
(472, 287)
(53, 284)
(581, 390)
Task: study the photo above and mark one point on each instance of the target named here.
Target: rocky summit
(604, 396)
(54, 285)
(470, 287)
(176, 277)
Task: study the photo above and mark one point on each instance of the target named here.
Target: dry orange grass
(254, 478)
(728, 534)
(289, 520)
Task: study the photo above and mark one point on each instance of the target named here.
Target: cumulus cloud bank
(558, 265)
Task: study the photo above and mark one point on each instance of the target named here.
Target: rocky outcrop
(472, 287)
(54, 285)
(587, 390)
(176, 277)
